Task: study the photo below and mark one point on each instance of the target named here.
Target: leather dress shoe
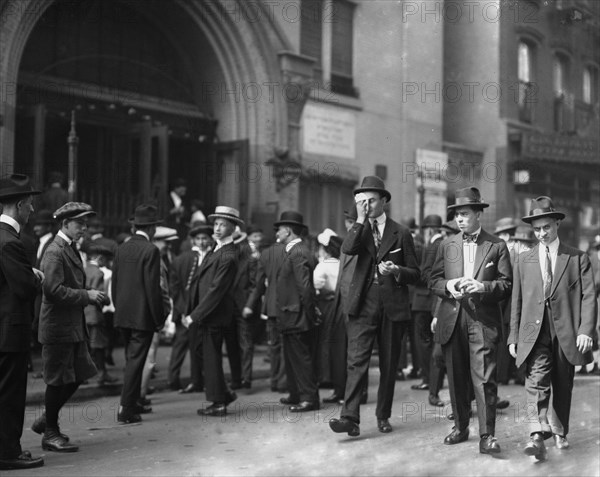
(140, 409)
(384, 425)
(343, 424)
(561, 442)
(23, 461)
(400, 376)
(502, 404)
(143, 401)
(536, 447)
(456, 437)
(489, 445)
(246, 384)
(214, 410)
(39, 427)
(420, 387)
(305, 406)
(128, 418)
(414, 374)
(190, 388)
(289, 400)
(52, 441)
(334, 398)
(436, 401)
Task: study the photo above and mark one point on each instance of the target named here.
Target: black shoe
(289, 400)
(191, 388)
(489, 445)
(420, 387)
(384, 426)
(502, 404)
(23, 461)
(536, 447)
(236, 385)
(414, 374)
(456, 437)
(334, 398)
(400, 376)
(128, 418)
(345, 424)
(139, 409)
(436, 401)
(150, 390)
(246, 384)
(52, 441)
(143, 401)
(39, 427)
(214, 410)
(305, 406)
(175, 386)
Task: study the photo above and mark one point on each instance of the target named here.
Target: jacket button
(537, 322)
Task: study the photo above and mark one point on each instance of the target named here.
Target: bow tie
(470, 238)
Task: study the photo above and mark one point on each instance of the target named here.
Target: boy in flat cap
(62, 332)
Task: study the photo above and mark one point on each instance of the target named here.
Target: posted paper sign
(329, 131)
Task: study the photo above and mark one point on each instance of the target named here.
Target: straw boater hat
(229, 213)
(540, 208)
(145, 214)
(505, 224)
(469, 196)
(290, 217)
(74, 210)
(373, 184)
(165, 233)
(15, 186)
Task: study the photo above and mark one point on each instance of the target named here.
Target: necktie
(74, 247)
(376, 235)
(470, 238)
(193, 270)
(547, 275)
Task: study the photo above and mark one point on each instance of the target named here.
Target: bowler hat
(523, 233)
(505, 224)
(290, 217)
(16, 185)
(469, 196)
(201, 227)
(540, 208)
(373, 184)
(409, 222)
(74, 210)
(433, 221)
(229, 213)
(145, 214)
(43, 217)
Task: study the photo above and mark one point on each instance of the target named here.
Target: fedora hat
(290, 217)
(74, 210)
(373, 184)
(145, 214)
(16, 185)
(229, 213)
(93, 248)
(449, 226)
(43, 217)
(540, 208)
(201, 227)
(409, 222)
(469, 196)
(523, 233)
(505, 224)
(350, 212)
(433, 221)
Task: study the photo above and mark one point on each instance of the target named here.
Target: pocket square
(490, 264)
(395, 251)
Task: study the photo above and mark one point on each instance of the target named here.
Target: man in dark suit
(19, 284)
(553, 316)
(63, 333)
(297, 314)
(212, 303)
(378, 305)
(139, 309)
(472, 275)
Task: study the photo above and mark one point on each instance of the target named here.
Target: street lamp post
(73, 142)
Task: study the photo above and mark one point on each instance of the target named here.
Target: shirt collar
(44, 238)
(380, 220)
(435, 237)
(143, 234)
(553, 247)
(225, 241)
(290, 244)
(10, 221)
(477, 233)
(62, 235)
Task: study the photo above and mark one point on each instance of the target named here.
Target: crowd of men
(481, 307)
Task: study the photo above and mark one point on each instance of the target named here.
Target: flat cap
(74, 210)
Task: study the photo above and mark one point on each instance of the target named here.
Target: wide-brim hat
(290, 217)
(409, 222)
(523, 233)
(165, 233)
(542, 207)
(229, 213)
(449, 226)
(469, 196)
(74, 210)
(200, 227)
(94, 248)
(505, 224)
(145, 214)
(43, 217)
(15, 186)
(432, 221)
(373, 184)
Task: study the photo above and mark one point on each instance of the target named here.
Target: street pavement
(259, 436)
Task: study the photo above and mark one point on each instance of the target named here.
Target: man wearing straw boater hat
(19, 285)
(139, 308)
(211, 304)
(378, 302)
(553, 318)
(472, 275)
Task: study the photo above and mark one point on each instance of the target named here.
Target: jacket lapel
(388, 240)
(456, 262)
(483, 248)
(368, 239)
(70, 253)
(562, 259)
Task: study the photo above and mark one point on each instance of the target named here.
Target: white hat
(165, 233)
(324, 237)
(229, 213)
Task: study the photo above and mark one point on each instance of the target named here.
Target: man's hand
(512, 349)
(39, 274)
(362, 207)
(388, 267)
(97, 298)
(584, 343)
(469, 286)
(247, 312)
(186, 321)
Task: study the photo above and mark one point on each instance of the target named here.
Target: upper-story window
(590, 84)
(563, 98)
(526, 81)
(311, 29)
(560, 75)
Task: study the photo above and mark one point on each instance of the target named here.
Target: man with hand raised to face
(378, 303)
(472, 275)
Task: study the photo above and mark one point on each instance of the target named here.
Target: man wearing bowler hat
(472, 276)
(19, 284)
(211, 301)
(553, 317)
(378, 305)
(139, 310)
(297, 313)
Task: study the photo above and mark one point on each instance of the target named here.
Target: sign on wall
(328, 131)
(432, 167)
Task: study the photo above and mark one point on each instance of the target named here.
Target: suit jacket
(94, 281)
(268, 265)
(65, 295)
(423, 298)
(396, 245)
(492, 268)
(18, 288)
(572, 300)
(211, 291)
(245, 277)
(296, 298)
(136, 290)
(181, 267)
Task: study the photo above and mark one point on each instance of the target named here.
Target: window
(341, 47)
(526, 93)
(563, 98)
(559, 75)
(590, 84)
(311, 29)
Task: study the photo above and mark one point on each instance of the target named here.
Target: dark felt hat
(74, 210)
(469, 196)
(201, 227)
(15, 186)
(505, 224)
(432, 221)
(145, 214)
(290, 217)
(450, 227)
(373, 184)
(94, 248)
(43, 217)
(540, 208)
(523, 233)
